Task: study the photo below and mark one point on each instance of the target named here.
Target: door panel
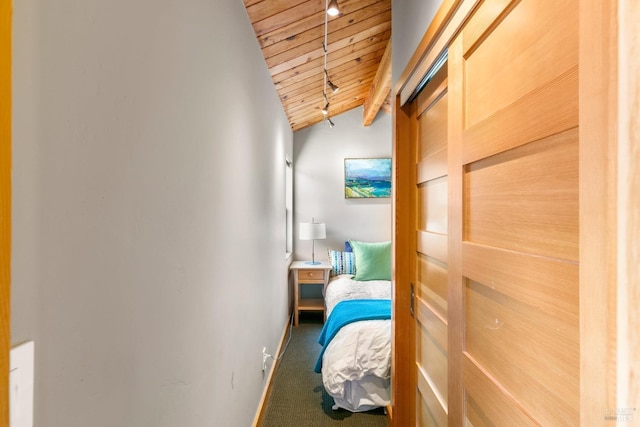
(431, 351)
(515, 155)
(431, 195)
(430, 410)
(526, 199)
(526, 47)
(432, 206)
(432, 244)
(545, 283)
(526, 352)
(488, 405)
(432, 275)
(433, 127)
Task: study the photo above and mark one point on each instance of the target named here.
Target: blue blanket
(350, 311)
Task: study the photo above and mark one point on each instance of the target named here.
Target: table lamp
(312, 231)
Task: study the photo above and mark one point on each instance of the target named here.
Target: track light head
(332, 9)
(333, 87)
(325, 110)
(331, 124)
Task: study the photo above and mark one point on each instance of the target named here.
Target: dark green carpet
(298, 398)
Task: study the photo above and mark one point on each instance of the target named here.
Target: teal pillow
(373, 260)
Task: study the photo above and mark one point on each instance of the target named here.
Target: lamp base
(313, 262)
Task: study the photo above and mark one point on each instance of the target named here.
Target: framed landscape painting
(367, 178)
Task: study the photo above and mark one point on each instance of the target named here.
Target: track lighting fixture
(333, 87)
(332, 9)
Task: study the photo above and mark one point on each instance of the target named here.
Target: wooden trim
(629, 203)
(456, 282)
(259, 418)
(597, 163)
(403, 380)
(5, 206)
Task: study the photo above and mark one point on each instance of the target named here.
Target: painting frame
(367, 178)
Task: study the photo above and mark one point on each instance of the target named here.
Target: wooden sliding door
(431, 263)
(514, 163)
(494, 213)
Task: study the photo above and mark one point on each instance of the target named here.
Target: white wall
(410, 20)
(148, 211)
(319, 153)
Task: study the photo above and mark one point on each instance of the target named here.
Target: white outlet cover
(21, 385)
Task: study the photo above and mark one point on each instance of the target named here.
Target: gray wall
(319, 153)
(148, 211)
(410, 20)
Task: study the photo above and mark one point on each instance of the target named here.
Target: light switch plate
(21, 385)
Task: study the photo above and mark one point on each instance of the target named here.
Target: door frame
(609, 205)
(5, 205)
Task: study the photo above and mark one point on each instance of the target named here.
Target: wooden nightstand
(304, 274)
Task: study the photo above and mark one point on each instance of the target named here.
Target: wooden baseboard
(267, 389)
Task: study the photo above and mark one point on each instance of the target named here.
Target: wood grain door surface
(493, 210)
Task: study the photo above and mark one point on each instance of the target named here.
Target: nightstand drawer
(307, 276)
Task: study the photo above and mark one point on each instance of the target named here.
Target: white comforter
(356, 364)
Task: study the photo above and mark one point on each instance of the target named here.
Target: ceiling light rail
(331, 9)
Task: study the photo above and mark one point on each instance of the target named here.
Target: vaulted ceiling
(291, 36)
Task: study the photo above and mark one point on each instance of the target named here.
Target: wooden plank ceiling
(291, 34)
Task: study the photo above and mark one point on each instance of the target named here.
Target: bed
(356, 362)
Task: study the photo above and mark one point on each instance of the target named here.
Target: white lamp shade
(312, 231)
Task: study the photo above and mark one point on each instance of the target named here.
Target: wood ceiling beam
(386, 105)
(380, 88)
